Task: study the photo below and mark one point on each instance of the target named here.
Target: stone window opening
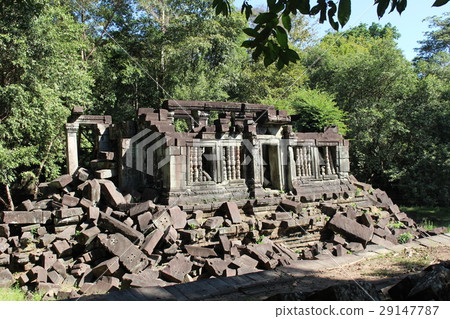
(327, 160)
(303, 161)
(202, 164)
(231, 162)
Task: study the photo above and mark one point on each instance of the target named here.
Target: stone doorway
(271, 167)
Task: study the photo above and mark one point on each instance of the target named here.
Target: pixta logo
(146, 153)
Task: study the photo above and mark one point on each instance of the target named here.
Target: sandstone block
(178, 217)
(177, 268)
(115, 226)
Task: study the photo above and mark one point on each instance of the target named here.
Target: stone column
(72, 147)
(103, 138)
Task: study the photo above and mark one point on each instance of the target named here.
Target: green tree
(312, 111)
(42, 78)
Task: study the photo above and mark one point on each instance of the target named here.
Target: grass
(399, 263)
(429, 217)
(15, 294)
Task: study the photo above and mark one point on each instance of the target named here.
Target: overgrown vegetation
(16, 294)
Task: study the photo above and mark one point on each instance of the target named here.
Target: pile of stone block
(83, 236)
(372, 220)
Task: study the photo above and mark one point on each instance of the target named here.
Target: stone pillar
(72, 147)
(103, 138)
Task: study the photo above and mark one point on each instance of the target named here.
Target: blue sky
(409, 24)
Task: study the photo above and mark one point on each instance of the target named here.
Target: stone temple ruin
(250, 151)
(157, 207)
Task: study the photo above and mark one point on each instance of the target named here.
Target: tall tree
(42, 78)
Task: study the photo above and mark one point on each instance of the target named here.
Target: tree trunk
(8, 196)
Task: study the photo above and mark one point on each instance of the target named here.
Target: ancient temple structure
(248, 151)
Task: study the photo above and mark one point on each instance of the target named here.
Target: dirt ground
(381, 271)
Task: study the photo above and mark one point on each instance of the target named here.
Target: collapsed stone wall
(83, 236)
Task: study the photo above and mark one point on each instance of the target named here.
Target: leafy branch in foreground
(269, 36)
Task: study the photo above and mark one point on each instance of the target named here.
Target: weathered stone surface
(54, 277)
(231, 210)
(115, 226)
(6, 278)
(85, 203)
(111, 194)
(59, 267)
(355, 247)
(61, 181)
(198, 215)
(291, 206)
(245, 262)
(130, 257)
(37, 274)
(106, 268)
(178, 217)
(144, 221)
(146, 278)
(366, 220)
(70, 200)
(20, 258)
(198, 251)
(146, 206)
(93, 213)
(4, 230)
(5, 259)
(25, 217)
(282, 215)
(92, 191)
(170, 235)
(340, 250)
(348, 227)
(88, 235)
(433, 285)
(162, 220)
(225, 242)
(69, 212)
(213, 222)
(216, 266)
(47, 260)
(437, 231)
(65, 232)
(401, 290)
(62, 248)
(177, 268)
(82, 174)
(151, 241)
(380, 241)
(67, 221)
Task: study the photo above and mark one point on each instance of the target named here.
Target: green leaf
(292, 55)
(286, 20)
(382, 6)
(280, 64)
(251, 32)
(401, 6)
(439, 3)
(248, 44)
(331, 14)
(268, 60)
(265, 17)
(344, 11)
(303, 6)
(282, 37)
(394, 5)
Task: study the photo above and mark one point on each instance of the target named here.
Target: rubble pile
(83, 236)
(83, 232)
